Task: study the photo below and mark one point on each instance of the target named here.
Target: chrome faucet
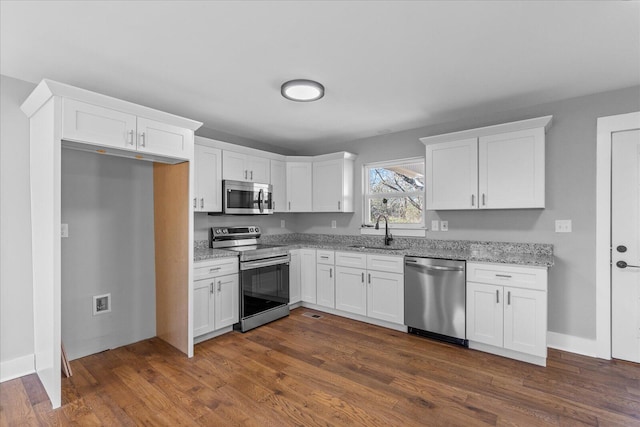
(387, 236)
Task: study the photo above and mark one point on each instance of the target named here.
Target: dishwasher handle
(415, 263)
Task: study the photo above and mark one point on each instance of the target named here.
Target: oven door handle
(250, 265)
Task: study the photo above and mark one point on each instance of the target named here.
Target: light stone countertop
(531, 254)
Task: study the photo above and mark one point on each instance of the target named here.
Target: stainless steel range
(264, 275)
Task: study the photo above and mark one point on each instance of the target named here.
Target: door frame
(606, 127)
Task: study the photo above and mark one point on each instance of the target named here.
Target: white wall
(108, 204)
(16, 293)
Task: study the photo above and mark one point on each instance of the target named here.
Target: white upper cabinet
(496, 167)
(333, 185)
(511, 170)
(452, 175)
(279, 185)
(244, 167)
(299, 187)
(92, 124)
(207, 195)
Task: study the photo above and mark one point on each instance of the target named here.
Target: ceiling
(387, 66)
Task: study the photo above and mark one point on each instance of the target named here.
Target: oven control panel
(242, 232)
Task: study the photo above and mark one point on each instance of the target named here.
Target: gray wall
(16, 284)
(570, 194)
(108, 203)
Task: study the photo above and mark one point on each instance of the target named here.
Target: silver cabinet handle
(195, 202)
(289, 205)
(251, 176)
(369, 278)
(214, 269)
(219, 286)
(202, 203)
(473, 200)
(362, 277)
(330, 273)
(130, 137)
(324, 257)
(483, 200)
(505, 276)
(273, 205)
(338, 204)
(497, 296)
(211, 288)
(509, 298)
(142, 139)
(245, 174)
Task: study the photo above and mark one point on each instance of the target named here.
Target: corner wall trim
(16, 368)
(572, 344)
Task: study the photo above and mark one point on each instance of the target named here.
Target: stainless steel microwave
(246, 198)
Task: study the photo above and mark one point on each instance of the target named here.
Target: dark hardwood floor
(328, 371)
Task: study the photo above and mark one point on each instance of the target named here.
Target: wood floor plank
(330, 371)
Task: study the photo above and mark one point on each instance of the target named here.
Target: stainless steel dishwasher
(435, 298)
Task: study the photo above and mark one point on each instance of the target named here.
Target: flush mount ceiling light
(302, 90)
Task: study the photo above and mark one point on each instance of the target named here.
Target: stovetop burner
(245, 240)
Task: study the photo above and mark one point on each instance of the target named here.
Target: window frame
(366, 195)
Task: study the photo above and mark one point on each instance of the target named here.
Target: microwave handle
(260, 200)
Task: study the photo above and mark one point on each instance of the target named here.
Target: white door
(351, 291)
(452, 175)
(326, 285)
(208, 179)
(525, 321)
(227, 305)
(203, 321)
(234, 166)
(385, 298)
(279, 185)
(308, 275)
(164, 139)
(327, 186)
(485, 313)
(625, 245)
(259, 169)
(299, 187)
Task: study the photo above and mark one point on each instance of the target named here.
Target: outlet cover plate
(435, 225)
(444, 225)
(64, 230)
(563, 226)
(101, 304)
(333, 223)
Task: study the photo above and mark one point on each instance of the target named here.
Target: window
(394, 189)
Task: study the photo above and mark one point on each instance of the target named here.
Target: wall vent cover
(101, 304)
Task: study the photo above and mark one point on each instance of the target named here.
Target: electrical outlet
(101, 304)
(282, 223)
(435, 225)
(444, 225)
(563, 226)
(64, 231)
(333, 223)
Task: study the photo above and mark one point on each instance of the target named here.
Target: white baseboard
(572, 344)
(15, 368)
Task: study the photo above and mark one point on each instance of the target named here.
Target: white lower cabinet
(370, 285)
(325, 279)
(295, 295)
(308, 275)
(216, 295)
(507, 310)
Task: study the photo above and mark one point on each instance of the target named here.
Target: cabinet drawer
(351, 259)
(390, 264)
(325, 257)
(508, 275)
(214, 268)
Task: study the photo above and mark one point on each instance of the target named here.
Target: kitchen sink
(385, 248)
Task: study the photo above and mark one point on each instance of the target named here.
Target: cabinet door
(328, 186)
(299, 187)
(525, 321)
(485, 313)
(351, 291)
(325, 285)
(279, 185)
(203, 320)
(208, 179)
(452, 175)
(97, 125)
(511, 170)
(385, 296)
(227, 297)
(294, 277)
(164, 139)
(234, 166)
(259, 169)
(308, 275)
